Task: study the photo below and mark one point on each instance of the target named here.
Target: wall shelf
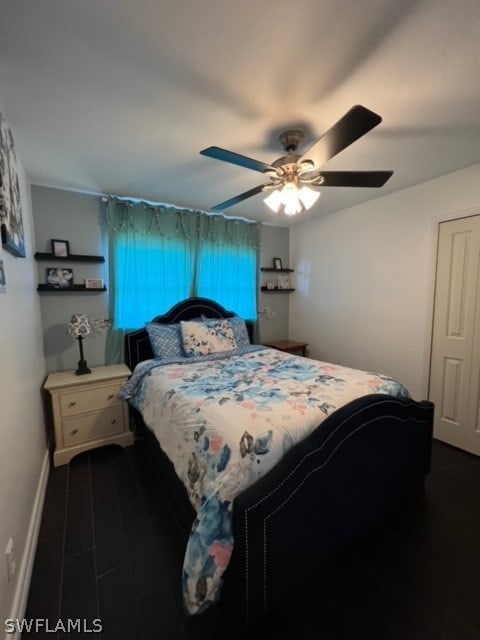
(265, 289)
(73, 289)
(71, 258)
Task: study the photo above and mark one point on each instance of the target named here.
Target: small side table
(289, 346)
(87, 411)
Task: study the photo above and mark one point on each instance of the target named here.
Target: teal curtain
(159, 255)
(227, 264)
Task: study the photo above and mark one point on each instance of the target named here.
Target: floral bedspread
(224, 421)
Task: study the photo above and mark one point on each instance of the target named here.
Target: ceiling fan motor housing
(291, 139)
(287, 169)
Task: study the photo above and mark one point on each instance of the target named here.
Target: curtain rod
(103, 197)
(166, 205)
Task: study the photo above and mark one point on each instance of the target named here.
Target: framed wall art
(283, 282)
(60, 248)
(11, 222)
(59, 278)
(93, 283)
(3, 281)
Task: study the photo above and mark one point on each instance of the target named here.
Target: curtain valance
(143, 217)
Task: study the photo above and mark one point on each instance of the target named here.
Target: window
(159, 256)
(227, 274)
(151, 276)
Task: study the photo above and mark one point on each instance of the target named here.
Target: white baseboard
(20, 597)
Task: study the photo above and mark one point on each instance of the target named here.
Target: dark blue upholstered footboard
(326, 491)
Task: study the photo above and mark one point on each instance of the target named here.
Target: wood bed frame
(326, 491)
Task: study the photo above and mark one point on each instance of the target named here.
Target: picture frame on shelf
(59, 278)
(283, 282)
(60, 248)
(93, 283)
(277, 263)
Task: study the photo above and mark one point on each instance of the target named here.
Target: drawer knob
(72, 403)
(111, 395)
(73, 432)
(113, 421)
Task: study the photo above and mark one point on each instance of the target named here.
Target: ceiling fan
(292, 176)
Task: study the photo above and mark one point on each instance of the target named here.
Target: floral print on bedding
(224, 422)
(203, 338)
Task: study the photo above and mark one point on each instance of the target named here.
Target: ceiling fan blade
(354, 124)
(239, 198)
(236, 158)
(355, 178)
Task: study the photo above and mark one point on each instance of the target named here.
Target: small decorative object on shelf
(80, 327)
(59, 278)
(93, 283)
(277, 263)
(60, 248)
(270, 285)
(283, 282)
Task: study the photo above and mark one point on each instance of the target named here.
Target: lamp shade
(308, 196)
(79, 326)
(293, 199)
(274, 200)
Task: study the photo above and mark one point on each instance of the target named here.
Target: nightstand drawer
(92, 426)
(90, 399)
(87, 412)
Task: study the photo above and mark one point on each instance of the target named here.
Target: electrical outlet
(10, 559)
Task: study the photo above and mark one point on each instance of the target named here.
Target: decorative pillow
(240, 331)
(202, 338)
(166, 340)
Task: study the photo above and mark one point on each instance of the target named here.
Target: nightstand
(87, 412)
(289, 346)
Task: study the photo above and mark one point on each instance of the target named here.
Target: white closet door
(455, 361)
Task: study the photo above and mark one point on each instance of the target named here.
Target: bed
(327, 487)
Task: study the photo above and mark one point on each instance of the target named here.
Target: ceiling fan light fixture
(308, 196)
(274, 201)
(292, 171)
(293, 200)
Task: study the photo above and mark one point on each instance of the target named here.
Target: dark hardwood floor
(110, 548)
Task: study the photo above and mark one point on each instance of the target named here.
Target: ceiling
(117, 96)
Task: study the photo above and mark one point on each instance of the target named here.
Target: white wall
(365, 278)
(22, 373)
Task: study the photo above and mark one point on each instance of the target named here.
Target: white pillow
(200, 339)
